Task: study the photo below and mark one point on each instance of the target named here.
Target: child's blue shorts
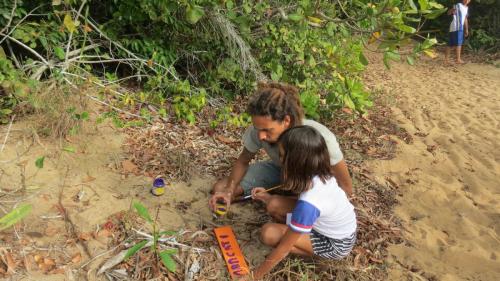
(261, 174)
(456, 38)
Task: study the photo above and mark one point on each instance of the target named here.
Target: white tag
(288, 218)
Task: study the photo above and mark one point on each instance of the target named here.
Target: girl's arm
(279, 253)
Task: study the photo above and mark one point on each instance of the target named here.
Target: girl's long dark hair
(305, 155)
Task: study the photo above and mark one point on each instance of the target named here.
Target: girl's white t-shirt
(326, 209)
(459, 17)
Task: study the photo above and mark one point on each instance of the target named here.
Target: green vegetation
(14, 216)
(182, 54)
(164, 255)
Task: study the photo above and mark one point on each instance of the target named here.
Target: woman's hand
(260, 193)
(220, 196)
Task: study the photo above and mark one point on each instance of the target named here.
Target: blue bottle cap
(159, 182)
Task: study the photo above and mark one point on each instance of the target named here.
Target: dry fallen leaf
(226, 140)
(48, 261)
(85, 236)
(371, 151)
(11, 264)
(105, 233)
(347, 110)
(60, 270)
(46, 264)
(87, 28)
(44, 267)
(51, 231)
(89, 178)
(128, 166)
(77, 258)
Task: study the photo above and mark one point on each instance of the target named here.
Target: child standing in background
(458, 28)
(323, 222)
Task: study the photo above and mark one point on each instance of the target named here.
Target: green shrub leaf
(134, 249)
(363, 59)
(295, 17)
(142, 211)
(14, 216)
(172, 251)
(6, 111)
(194, 13)
(39, 162)
(69, 149)
(168, 233)
(59, 52)
(406, 28)
(167, 260)
(410, 60)
(412, 5)
(423, 4)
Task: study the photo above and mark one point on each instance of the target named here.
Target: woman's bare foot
(460, 62)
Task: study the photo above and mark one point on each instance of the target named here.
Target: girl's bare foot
(460, 62)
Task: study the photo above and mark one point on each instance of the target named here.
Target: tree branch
(27, 48)
(143, 61)
(11, 17)
(71, 35)
(17, 24)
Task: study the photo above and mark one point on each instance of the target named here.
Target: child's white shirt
(459, 17)
(326, 209)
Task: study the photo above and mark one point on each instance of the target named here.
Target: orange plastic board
(231, 251)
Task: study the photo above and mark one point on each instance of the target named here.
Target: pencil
(267, 190)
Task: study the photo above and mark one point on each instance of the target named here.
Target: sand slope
(449, 176)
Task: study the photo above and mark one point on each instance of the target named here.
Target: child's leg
(272, 233)
(278, 206)
(460, 41)
(447, 54)
(459, 53)
(451, 43)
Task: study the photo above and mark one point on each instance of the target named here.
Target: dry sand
(95, 188)
(449, 177)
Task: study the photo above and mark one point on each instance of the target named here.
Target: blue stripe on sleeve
(303, 217)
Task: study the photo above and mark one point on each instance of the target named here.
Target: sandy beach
(448, 177)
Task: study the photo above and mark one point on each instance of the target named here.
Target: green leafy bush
(14, 88)
(184, 52)
(164, 255)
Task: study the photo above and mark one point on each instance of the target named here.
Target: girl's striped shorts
(332, 248)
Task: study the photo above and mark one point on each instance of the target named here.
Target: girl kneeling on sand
(323, 222)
